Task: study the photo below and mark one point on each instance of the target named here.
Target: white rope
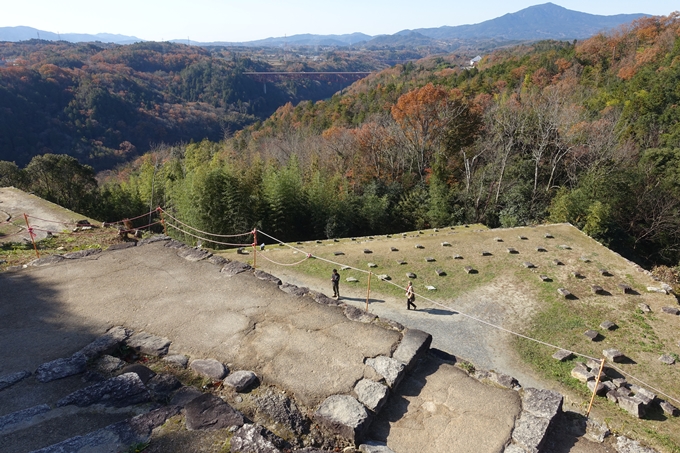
(204, 239)
(205, 232)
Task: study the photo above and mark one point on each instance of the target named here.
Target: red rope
(133, 218)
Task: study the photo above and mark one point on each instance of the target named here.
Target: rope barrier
(291, 264)
(142, 227)
(205, 239)
(106, 224)
(204, 232)
(51, 221)
(475, 318)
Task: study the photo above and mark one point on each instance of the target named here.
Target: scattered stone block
(401, 262)
(604, 272)
(619, 382)
(594, 364)
(440, 272)
(384, 277)
(610, 385)
(667, 359)
(210, 412)
(209, 368)
(319, 242)
(486, 253)
(430, 288)
(625, 289)
(418, 246)
(601, 389)
(345, 268)
(541, 249)
(592, 334)
(338, 253)
(371, 394)
(523, 238)
(529, 265)
(498, 239)
(581, 373)
(343, 415)
(372, 265)
(410, 275)
(11, 379)
(612, 396)
(614, 355)
(391, 369)
(120, 391)
(577, 275)
(596, 289)
(644, 308)
(645, 396)
(394, 249)
(240, 380)
(469, 270)
(585, 259)
(545, 278)
(562, 355)
(446, 244)
(654, 289)
(565, 247)
(563, 292)
(548, 236)
(61, 368)
(149, 344)
(457, 257)
(631, 405)
(512, 251)
(608, 325)
(351, 280)
(558, 263)
(670, 310)
(668, 408)
(430, 259)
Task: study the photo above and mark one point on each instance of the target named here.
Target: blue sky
(246, 20)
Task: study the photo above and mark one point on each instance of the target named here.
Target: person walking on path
(410, 297)
(335, 279)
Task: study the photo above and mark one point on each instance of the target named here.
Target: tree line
(585, 133)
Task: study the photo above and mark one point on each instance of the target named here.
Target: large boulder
(209, 368)
(389, 368)
(344, 416)
(210, 412)
(253, 439)
(61, 368)
(240, 380)
(120, 391)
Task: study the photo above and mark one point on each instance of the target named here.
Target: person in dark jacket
(335, 279)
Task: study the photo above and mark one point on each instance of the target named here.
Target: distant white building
(475, 60)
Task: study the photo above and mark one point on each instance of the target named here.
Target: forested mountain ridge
(105, 103)
(585, 132)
